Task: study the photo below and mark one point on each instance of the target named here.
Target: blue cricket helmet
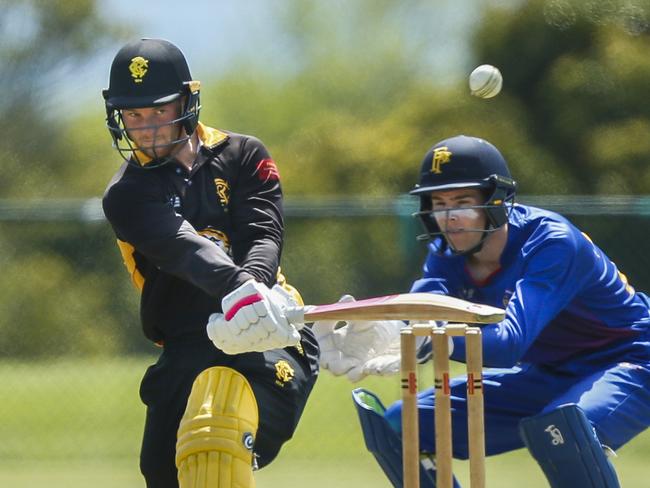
(465, 162)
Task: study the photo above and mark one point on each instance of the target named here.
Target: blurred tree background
(352, 119)
(349, 122)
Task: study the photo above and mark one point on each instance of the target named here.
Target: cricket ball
(485, 81)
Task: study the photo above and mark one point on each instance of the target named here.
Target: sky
(210, 32)
(216, 34)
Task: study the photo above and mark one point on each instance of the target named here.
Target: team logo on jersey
(441, 155)
(223, 191)
(218, 237)
(283, 372)
(267, 170)
(138, 68)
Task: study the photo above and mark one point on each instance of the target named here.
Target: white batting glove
(347, 348)
(253, 320)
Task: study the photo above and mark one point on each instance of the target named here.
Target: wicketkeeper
(197, 213)
(573, 352)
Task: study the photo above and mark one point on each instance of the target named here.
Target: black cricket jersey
(189, 238)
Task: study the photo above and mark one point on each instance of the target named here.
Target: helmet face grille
(497, 215)
(186, 124)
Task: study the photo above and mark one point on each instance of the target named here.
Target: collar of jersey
(210, 137)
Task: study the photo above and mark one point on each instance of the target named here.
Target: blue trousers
(615, 399)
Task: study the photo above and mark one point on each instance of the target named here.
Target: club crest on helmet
(441, 155)
(138, 68)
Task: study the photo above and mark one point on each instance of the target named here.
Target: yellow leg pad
(216, 433)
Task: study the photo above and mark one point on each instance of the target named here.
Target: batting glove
(253, 319)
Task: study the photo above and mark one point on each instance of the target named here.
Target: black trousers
(166, 386)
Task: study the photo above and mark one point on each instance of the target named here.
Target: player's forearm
(501, 347)
(257, 244)
(262, 260)
(171, 243)
(197, 260)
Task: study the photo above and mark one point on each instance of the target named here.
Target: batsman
(569, 366)
(197, 213)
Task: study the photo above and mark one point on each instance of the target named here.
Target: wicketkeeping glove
(358, 348)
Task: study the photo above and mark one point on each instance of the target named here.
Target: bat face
(407, 306)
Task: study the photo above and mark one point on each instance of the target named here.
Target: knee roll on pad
(384, 443)
(214, 446)
(567, 449)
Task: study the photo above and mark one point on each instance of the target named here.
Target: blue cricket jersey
(564, 298)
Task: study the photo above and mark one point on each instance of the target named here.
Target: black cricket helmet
(465, 162)
(149, 73)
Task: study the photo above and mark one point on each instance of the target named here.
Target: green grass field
(73, 424)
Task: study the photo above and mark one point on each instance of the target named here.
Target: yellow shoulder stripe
(127, 251)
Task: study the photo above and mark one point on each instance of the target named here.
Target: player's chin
(156, 151)
(460, 241)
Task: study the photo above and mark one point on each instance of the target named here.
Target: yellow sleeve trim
(127, 251)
